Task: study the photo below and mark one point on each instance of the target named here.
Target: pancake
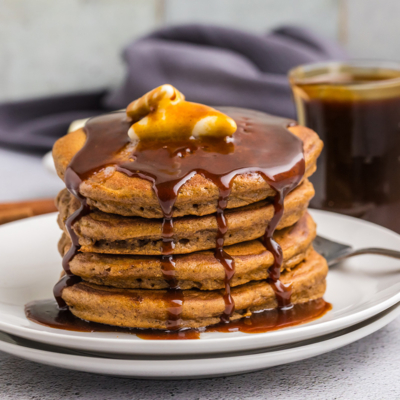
(197, 270)
(138, 308)
(99, 232)
(114, 192)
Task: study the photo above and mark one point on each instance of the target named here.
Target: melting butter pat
(164, 114)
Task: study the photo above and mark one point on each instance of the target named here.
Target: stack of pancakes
(121, 240)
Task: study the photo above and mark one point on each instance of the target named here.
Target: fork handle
(372, 250)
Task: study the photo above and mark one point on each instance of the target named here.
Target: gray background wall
(53, 46)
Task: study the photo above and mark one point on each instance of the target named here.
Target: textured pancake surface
(114, 192)
(198, 270)
(99, 232)
(139, 308)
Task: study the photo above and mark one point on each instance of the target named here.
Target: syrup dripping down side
(174, 295)
(222, 256)
(283, 293)
(283, 184)
(82, 166)
(167, 193)
(69, 279)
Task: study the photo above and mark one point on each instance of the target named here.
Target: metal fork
(335, 252)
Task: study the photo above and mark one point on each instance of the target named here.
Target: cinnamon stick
(23, 209)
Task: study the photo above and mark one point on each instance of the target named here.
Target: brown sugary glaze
(148, 309)
(99, 232)
(196, 270)
(117, 193)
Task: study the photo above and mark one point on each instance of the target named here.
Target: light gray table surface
(367, 369)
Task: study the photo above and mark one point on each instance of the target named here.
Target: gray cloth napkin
(209, 64)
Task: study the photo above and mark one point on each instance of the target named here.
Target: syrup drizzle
(69, 278)
(283, 292)
(166, 198)
(262, 144)
(222, 256)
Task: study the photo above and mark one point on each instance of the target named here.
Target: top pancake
(114, 192)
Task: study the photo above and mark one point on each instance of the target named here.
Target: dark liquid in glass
(359, 169)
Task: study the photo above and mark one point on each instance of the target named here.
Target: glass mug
(355, 109)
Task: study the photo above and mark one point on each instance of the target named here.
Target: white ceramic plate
(358, 289)
(200, 367)
(48, 163)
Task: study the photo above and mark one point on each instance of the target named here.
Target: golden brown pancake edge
(199, 270)
(99, 232)
(139, 308)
